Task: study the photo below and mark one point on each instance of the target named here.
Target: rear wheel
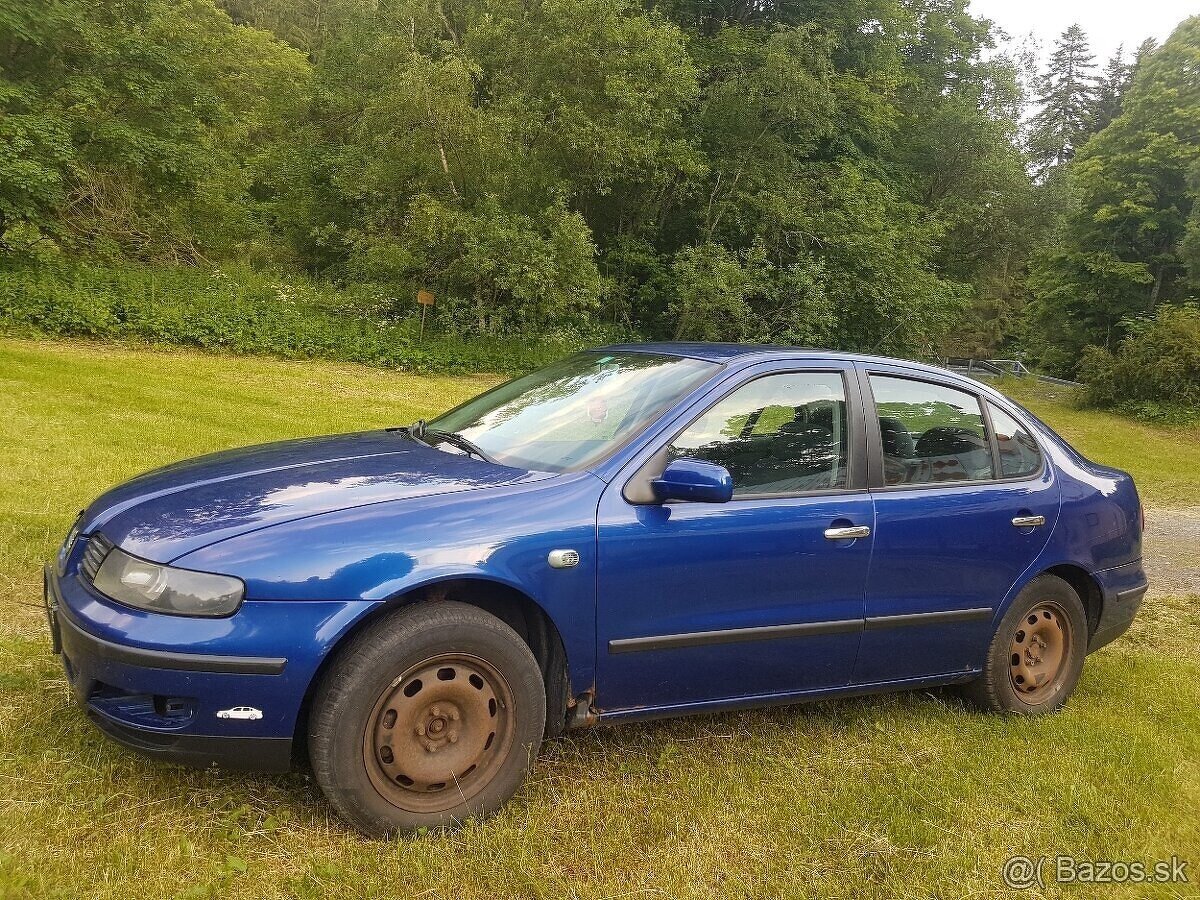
(1037, 652)
(432, 715)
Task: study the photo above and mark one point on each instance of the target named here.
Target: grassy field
(1165, 462)
(907, 796)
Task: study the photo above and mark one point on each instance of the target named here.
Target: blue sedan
(636, 531)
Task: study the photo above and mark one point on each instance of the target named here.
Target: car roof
(712, 352)
(724, 353)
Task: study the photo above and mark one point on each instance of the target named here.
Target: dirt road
(1172, 550)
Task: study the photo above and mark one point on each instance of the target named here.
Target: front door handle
(847, 534)
(1029, 521)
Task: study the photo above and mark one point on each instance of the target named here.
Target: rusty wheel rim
(438, 733)
(1040, 649)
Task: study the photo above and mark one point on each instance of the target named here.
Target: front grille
(97, 548)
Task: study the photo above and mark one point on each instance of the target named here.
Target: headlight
(180, 592)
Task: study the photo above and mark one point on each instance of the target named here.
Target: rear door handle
(1029, 521)
(847, 534)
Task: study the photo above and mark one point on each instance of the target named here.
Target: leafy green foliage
(718, 295)
(1155, 372)
(814, 172)
(483, 137)
(1124, 250)
(846, 174)
(242, 312)
(821, 181)
(136, 128)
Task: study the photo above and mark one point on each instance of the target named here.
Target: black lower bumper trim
(1134, 593)
(1105, 636)
(1117, 615)
(241, 753)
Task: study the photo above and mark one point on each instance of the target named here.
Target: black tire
(415, 694)
(1047, 606)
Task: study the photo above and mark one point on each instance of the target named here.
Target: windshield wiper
(419, 431)
(462, 443)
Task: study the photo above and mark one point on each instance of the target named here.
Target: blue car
(636, 531)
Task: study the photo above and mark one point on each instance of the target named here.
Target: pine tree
(1113, 83)
(1130, 245)
(1145, 48)
(1068, 103)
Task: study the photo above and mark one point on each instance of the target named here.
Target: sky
(1108, 23)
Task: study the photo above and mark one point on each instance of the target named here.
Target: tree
(137, 128)
(960, 145)
(302, 23)
(842, 172)
(1145, 48)
(1124, 251)
(1113, 83)
(1155, 372)
(1067, 103)
(474, 147)
(1189, 247)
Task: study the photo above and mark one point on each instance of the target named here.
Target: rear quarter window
(1019, 452)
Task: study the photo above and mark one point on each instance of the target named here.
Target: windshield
(575, 412)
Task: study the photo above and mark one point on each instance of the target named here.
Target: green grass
(1163, 460)
(907, 795)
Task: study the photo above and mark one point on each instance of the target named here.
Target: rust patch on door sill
(581, 713)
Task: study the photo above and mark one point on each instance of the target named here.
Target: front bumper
(157, 683)
(1122, 590)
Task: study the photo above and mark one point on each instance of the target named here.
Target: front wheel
(1037, 652)
(432, 715)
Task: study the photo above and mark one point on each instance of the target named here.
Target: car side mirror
(694, 481)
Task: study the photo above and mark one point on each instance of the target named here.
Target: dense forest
(885, 175)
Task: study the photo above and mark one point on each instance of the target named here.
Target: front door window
(780, 434)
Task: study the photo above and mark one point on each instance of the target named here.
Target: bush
(1155, 373)
(247, 312)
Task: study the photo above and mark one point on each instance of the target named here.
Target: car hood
(169, 512)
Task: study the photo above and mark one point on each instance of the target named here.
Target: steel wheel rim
(1041, 648)
(437, 734)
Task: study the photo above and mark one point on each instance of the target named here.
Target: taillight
(1142, 515)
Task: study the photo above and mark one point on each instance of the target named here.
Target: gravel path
(1171, 550)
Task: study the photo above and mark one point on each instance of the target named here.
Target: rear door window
(930, 433)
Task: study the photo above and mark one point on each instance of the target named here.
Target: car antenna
(883, 339)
